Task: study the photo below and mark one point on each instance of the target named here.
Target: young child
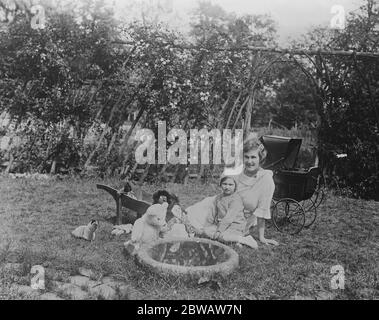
(161, 196)
(178, 224)
(228, 222)
(128, 191)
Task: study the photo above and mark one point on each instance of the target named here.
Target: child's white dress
(228, 218)
(256, 194)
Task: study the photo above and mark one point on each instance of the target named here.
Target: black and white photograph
(208, 151)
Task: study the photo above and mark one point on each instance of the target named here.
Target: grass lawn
(36, 218)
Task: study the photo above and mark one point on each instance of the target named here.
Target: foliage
(349, 116)
(85, 74)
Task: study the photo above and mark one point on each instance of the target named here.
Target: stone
(128, 292)
(82, 281)
(57, 284)
(73, 291)
(249, 297)
(104, 291)
(300, 297)
(111, 282)
(93, 283)
(324, 295)
(50, 296)
(27, 290)
(87, 272)
(124, 290)
(107, 280)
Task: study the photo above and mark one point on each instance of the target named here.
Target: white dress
(256, 193)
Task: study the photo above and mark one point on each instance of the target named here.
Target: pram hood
(282, 152)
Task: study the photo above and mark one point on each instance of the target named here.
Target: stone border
(81, 286)
(221, 269)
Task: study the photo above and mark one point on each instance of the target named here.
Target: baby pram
(297, 191)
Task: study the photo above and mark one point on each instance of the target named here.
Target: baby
(179, 225)
(128, 191)
(161, 196)
(228, 222)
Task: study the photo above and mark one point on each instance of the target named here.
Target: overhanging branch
(301, 52)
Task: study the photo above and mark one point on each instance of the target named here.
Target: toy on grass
(148, 228)
(122, 229)
(86, 232)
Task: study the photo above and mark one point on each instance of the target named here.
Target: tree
(348, 88)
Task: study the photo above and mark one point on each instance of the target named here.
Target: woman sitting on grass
(256, 188)
(227, 222)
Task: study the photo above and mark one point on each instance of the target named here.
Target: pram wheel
(310, 207)
(320, 196)
(310, 214)
(288, 216)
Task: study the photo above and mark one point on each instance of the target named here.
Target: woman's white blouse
(257, 192)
